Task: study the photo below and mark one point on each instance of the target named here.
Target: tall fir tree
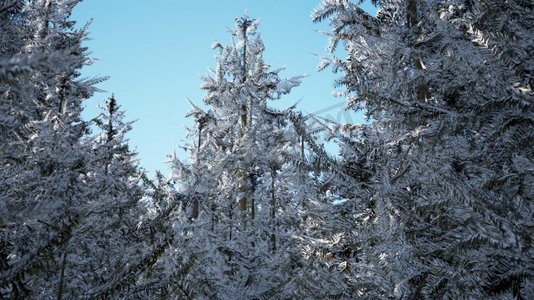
(107, 242)
(244, 203)
(41, 181)
(449, 87)
(69, 202)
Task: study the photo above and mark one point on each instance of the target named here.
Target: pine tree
(107, 242)
(44, 165)
(243, 206)
(449, 85)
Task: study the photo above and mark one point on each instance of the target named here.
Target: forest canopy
(431, 199)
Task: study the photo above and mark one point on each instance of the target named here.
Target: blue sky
(156, 51)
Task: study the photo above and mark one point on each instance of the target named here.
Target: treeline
(432, 199)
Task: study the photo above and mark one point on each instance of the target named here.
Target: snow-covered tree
(449, 87)
(106, 242)
(44, 166)
(241, 225)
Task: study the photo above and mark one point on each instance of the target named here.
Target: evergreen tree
(70, 201)
(449, 85)
(107, 242)
(240, 225)
(47, 195)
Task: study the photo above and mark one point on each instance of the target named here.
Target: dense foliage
(449, 87)
(433, 198)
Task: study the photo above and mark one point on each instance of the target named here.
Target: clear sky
(156, 51)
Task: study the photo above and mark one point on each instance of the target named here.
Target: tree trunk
(411, 14)
(61, 278)
(273, 211)
(196, 209)
(411, 18)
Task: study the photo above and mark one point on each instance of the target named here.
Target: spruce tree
(107, 241)
(44, 165)
(449, 85)
(242, 206)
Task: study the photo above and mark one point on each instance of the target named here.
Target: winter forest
(432, 198)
